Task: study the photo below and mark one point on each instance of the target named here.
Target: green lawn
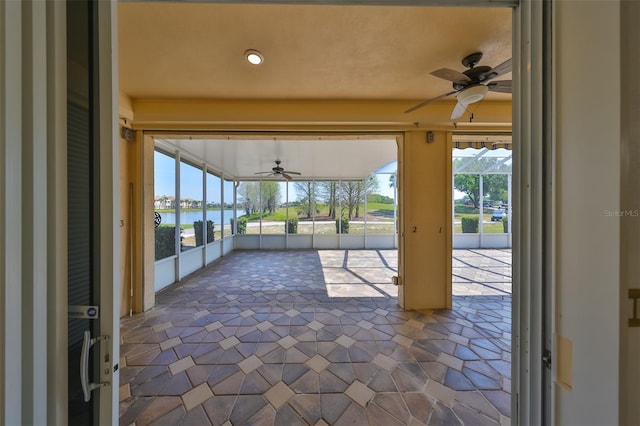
(461, 210)
(379, 210)
(489, 228)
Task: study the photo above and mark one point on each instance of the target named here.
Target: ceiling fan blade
(503, 86)
(458, 111)
(262, 173)
(291, 173)
(428, 101)
(286, 176)
(451, 75)
(503, 68)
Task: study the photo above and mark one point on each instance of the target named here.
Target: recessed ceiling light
(254, 57)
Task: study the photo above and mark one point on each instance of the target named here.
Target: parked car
(497, 215)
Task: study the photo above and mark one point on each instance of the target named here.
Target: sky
(191, 181)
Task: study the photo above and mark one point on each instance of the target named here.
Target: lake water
(187, 218)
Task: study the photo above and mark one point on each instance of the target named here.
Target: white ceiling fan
(471, 85)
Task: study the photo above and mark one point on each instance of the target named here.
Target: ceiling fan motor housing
(476, 75)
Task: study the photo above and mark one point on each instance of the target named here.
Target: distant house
(164, 202)
(188, 203)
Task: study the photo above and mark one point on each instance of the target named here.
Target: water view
(188, 217)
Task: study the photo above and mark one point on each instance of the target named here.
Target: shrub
(197, 226)
(165, 241)
(342, 226)
(470, 225)
(505, 224)
(291, 225)
(242, 225)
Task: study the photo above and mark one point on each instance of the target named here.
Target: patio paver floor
(316, 337)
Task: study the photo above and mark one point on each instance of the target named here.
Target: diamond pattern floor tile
(360, 393)
(316, 337)
(196, 396)
(279, 394)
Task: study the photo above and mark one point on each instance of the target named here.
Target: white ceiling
(312, 52)
(314, 157)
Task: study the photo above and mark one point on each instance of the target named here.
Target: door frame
(533, 176)
(108, 260)
(529, 130)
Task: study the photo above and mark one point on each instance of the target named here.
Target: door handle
(87, 344)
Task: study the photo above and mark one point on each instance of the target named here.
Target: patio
(316, 337)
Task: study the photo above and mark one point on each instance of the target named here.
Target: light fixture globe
(254, 57)
(472, 94)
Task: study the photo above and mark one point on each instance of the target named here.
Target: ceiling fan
(471, 85)
(279, 171)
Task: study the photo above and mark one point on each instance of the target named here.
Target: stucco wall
(426, 228)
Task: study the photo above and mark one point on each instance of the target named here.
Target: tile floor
(485, 272)
(317, 338)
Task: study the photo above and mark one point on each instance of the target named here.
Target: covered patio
(317, 337)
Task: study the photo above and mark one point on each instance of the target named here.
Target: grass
(381, 210)
(279, 215)
(465, 209)
(489, 228)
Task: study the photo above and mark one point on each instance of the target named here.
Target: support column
(509, 213)
(144, 292)
(481, 211)
(425, 244)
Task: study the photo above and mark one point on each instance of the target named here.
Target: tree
(470, 185)
(327, 193)
(350, 196)
(354, 193)
(249, 197)
(270, 196)
(257, 197)
(307, 197)
(494, 177)
(495, 187)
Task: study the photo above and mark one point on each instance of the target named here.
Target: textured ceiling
(195, 51)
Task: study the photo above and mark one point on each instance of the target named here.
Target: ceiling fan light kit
(472, 94)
